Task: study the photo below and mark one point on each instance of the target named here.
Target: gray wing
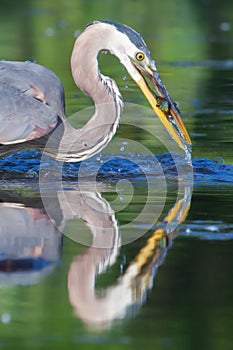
(22, 117)
(36, 81)
(31, 100)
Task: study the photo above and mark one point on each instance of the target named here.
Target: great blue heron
(32, 97)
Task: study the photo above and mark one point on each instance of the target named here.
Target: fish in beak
(162, 104)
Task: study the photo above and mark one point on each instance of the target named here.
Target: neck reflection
(99, 307)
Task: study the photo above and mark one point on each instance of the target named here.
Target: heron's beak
(163, 105)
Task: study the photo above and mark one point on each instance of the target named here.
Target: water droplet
(30, 174)
(124, 77)
(126, 86)
(225, 26)
(76, 33)
(49, 32)
(6, 318)
(212, 228)
(30, 61)
(62, 23)
(122, 148)
(219, 160)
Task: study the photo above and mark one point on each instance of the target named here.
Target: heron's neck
(80, 144)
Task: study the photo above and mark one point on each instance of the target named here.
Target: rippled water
(27, 164)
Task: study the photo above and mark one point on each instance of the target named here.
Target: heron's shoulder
(34, 80)
(23, 75)
(11, 67)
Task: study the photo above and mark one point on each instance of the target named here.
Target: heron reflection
(31, 241)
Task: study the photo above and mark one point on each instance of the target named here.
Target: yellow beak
(169, 116)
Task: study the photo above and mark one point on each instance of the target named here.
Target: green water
(182, 298)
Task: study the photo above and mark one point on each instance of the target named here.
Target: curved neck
(80, 144)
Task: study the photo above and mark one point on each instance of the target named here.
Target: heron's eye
(140, 56)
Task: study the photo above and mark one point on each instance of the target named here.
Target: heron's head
(128, 45)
